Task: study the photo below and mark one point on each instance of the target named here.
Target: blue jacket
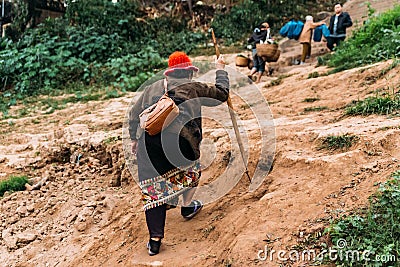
(319, 31)
(288, 27)
(292, 29)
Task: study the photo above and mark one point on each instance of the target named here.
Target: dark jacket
(188, 124)
(257, 36)
(344, 21)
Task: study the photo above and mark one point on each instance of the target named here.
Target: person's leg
(253, 70)
(304, 53)
(258, 76)
(257, 62)
(268, 69)
(309, 51)
(261, 69)
(339, 40)
(187, 196)
(155, 219)
(152, 163)
(330, 42)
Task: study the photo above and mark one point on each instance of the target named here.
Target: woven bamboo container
(266, 50)
(241, 61)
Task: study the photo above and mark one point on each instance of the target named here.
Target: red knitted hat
(179, 60)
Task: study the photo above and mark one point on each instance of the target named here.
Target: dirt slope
(76, 218)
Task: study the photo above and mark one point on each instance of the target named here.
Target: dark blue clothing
(259, 63)
(344, 21)
(319, 31)
(257, 36)
(292, 29)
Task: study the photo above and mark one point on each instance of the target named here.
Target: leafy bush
(375, 231)
(14, 183)
(97, 42)
(124, 18)
(378, 39)
(106, 17)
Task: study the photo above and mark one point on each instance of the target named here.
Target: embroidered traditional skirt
(166, 188)
(160, 180)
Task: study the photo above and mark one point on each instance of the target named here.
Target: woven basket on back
(241, 61)
(275, 57)
(266, 50)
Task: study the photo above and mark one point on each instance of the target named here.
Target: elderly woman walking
(168, 162)
(305, 37)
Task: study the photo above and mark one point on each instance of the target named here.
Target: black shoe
(191, 211)
(154, 247)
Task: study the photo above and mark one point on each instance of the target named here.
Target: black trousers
(155, 220)
(157, 155)
(331, 41)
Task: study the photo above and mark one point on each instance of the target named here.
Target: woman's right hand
(220, 63)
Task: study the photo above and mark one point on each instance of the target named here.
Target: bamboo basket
(266, 50)
(242, 61)
(275, 57)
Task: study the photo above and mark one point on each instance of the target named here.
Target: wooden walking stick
(232, 113)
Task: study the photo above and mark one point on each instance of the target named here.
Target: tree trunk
(228, 5)
(190, 4)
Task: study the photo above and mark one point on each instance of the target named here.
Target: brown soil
(88, 212)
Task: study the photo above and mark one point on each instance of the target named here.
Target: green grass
(319, 108)
(112, 139)
(14, 183)
(375, 230)
(314, 74)
(383, 105)
(338, 142)
(278, 80)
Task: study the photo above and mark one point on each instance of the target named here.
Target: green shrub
(333, 142)
(97, 42)
(14, 183)
(375, 230)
